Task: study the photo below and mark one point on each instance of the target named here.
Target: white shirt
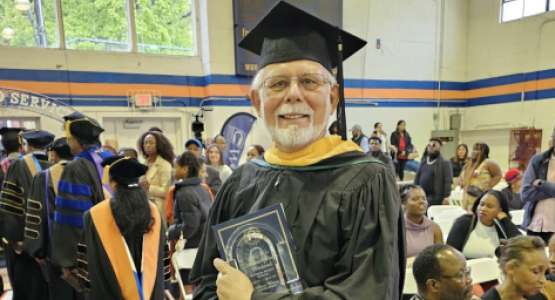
(383, 145)
(482, 242)
(225, 172)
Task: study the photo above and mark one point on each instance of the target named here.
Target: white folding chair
(517, 217)
(435, 210)
(484, 270)
(456, 197)
(450, 215)
(445, 226)
(410, 287)
(183, 259)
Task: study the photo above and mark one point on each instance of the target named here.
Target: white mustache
(301, 109)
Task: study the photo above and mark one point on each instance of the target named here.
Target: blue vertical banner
(235, 131)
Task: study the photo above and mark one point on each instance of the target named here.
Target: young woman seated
(421, 232)
(477, 235)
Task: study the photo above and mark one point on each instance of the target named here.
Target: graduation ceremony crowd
(81, 219)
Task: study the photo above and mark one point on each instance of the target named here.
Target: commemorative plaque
(261, 246)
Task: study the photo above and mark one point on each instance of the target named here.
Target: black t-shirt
(493, 294)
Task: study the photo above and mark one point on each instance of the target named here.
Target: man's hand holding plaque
(259, 245)
(232, 284)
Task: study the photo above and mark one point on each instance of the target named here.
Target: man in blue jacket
(538, 191)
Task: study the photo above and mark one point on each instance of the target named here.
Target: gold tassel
(68, 125)
(19, 137)
(105, 177)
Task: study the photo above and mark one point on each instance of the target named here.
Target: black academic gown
(37, 235)
(97, 274)
(24, 272)
(79, 189)
(346, 222)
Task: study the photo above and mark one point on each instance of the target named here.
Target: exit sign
(143, 100)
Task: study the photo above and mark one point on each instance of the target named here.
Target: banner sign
(235, 131)
(40, 104)
(247, 13)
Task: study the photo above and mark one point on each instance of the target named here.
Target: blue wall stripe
(494, 99)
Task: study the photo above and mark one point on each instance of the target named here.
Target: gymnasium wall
(404, 73)
(510, 75)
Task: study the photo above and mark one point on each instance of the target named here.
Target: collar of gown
(325, 147)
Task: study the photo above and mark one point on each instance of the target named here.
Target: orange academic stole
(117, 251)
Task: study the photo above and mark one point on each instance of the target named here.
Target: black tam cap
(125, 168)
(39, 139)
(61, 147)
(82, 126)
(288, 33)
(10, 133)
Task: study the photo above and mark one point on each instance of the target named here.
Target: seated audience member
(441, 273)
(523, 262)
(254, 151)
(538, 191)
(477, 235)
(375, 151)
(213, 179)
(128, 152)
(549, 288)
(215, 157)
(192, 203)
(435, 175)
(514, 181)
(458, 161)
(420, 231)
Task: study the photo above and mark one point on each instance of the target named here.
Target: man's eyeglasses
(307, 82)
(463, 276)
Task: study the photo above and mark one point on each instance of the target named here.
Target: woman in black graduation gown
(124, 255)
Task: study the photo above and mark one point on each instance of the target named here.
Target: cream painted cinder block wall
(499, 49)
(410, 32)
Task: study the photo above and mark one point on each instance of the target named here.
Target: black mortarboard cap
(288, 33)
(62, 148)
(82, 126)
(39, 139)
(10, 133)
(123, 168)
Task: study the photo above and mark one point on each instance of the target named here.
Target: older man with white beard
(342, 207)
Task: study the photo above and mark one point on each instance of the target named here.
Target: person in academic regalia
(342, 207)
(12, 147)
(38, 237)
(25, 273)
(123, 254)
(80, 188)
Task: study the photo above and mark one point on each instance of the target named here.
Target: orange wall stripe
(236, 90)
